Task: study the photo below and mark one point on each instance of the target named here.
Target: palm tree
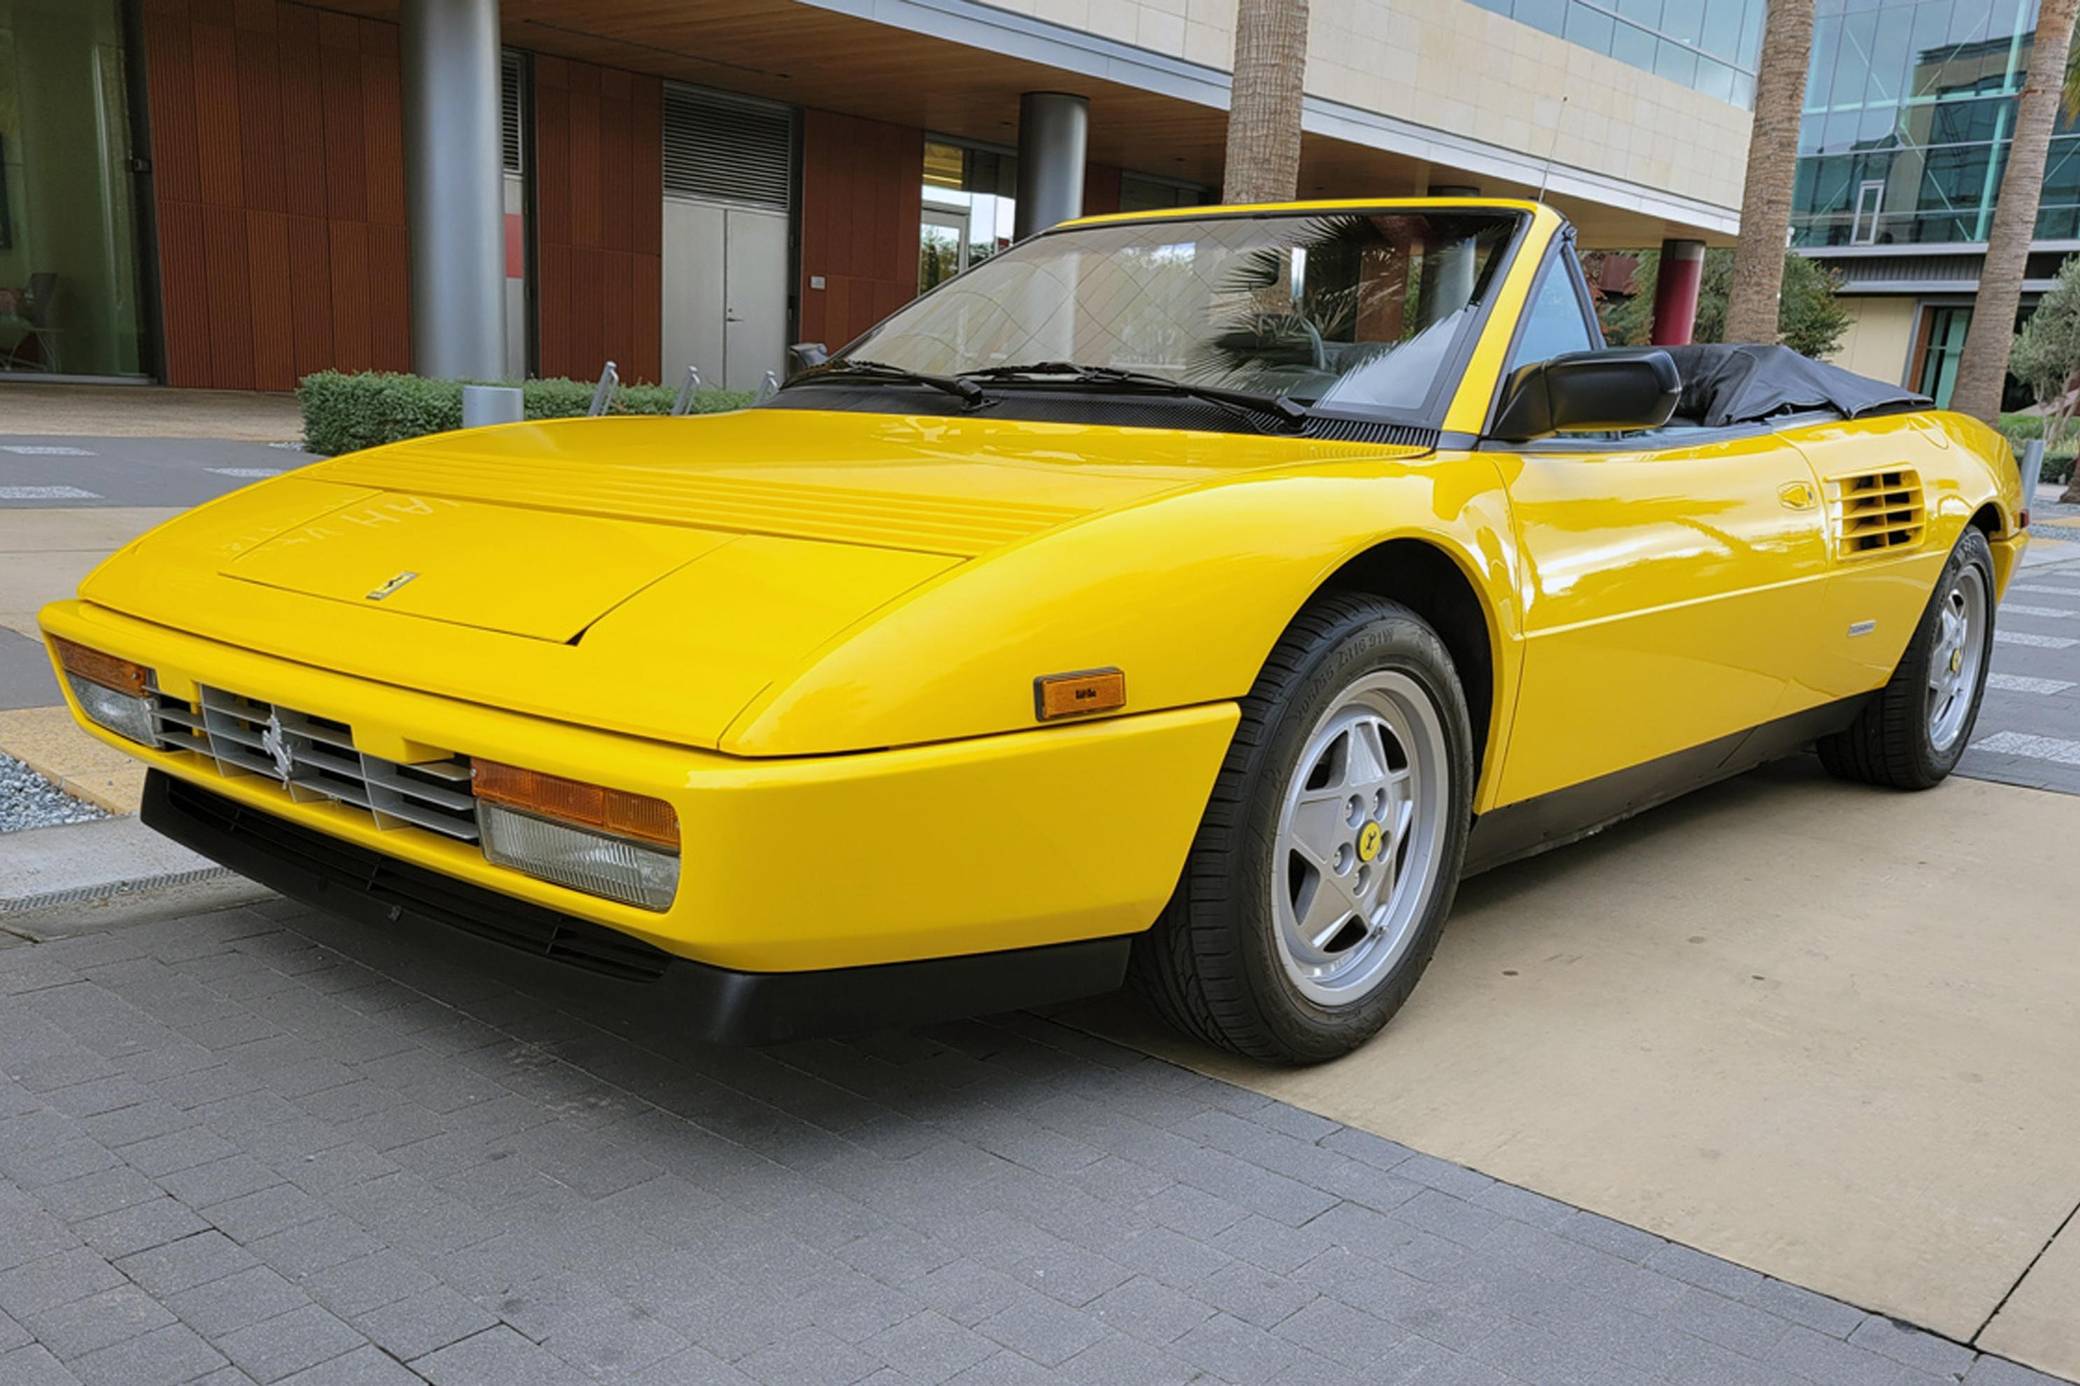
(1263, 159)
(1780, 98)
(1983, 368)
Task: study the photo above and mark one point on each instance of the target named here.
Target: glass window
(1548, 15)
(1555, 323)
(68, 241)
(1588, 27)
(1683, 20)
(1946, 333)
(1632, 45)
(970, 202)
(1676, 63)
(1347, 309)
(1722, 29)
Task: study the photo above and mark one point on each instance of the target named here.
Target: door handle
(728, 316)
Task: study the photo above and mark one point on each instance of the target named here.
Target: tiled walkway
(261, 1145)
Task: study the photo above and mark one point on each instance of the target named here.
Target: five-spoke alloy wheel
(1330, 851)
(1911, 732)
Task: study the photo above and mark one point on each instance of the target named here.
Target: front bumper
(1008, 842)
(702, 1003)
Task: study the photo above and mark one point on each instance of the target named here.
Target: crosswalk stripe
(277, 471)
(43, 450)
(2052, 748)
(2054, 612)
(46, 493)
(2040, 642)
(2023, 683)
(2043, 590)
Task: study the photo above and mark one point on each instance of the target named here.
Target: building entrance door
(725, 292)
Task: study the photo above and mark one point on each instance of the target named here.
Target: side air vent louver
(1877, 512)
(732, 150)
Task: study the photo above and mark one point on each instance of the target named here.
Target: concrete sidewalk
(148, 411)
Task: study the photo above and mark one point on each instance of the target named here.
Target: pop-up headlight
(602, 841)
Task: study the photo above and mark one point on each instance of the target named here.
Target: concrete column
(454, 193)
(1053, 128)
(1675, 292)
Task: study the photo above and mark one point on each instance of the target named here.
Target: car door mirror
(1589, 392)
(804, 356)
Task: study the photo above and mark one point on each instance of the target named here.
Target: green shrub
(345, 413)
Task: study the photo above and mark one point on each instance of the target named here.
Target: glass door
(68, 229)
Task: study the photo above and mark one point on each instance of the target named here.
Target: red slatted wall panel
(277, 153)
(862, 196)
(599, 214)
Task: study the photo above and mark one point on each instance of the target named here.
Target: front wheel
(1911, 734)
(1330, 851)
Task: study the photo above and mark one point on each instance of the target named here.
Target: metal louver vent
(314, 757)
(1877, 512)
(729, 150)
(509, 81)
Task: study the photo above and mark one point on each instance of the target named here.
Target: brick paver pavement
(261, 1145)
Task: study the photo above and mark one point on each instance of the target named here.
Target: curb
(75, 864)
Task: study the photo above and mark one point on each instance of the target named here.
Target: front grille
(314, 758)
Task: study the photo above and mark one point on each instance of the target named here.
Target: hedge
(344, 413)
(2022, 429)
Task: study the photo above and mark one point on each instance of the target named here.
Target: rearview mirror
(1589, 392)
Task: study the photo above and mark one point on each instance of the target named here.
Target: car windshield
(1358, 310)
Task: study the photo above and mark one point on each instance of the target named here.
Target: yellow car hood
(644, 575)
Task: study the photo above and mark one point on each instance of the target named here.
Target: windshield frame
(1453, 364)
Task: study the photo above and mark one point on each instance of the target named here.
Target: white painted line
(2046, 591)
(2054, 612)
(2023, 683)
(245, 471)
(2040, 642)
(44, 450)
(46, 493)
(2051, 748)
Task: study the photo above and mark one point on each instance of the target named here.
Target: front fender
(1185, 593)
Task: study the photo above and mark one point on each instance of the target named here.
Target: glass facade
(68, 227)
(1910, 106)
(1709, 45)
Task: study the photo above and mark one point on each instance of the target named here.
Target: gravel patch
(28, 800)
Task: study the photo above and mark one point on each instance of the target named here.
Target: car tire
(1912, 732)
(1358, 712)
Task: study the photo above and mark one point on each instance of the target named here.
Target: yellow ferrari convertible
(1191, 597)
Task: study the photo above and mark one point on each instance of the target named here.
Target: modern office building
(234, 193)
(1910, 108)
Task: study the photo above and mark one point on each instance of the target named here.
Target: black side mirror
(804, 356)
(1589, 392)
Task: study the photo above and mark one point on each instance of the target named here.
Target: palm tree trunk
(1780, 97)
(1263, 160)
(1983, 368)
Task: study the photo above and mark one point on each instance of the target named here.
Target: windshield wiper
(1237, 401)
(960, 387)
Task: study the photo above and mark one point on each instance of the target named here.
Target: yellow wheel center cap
(1369, 840)
(1956, 660)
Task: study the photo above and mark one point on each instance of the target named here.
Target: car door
(1673, 582)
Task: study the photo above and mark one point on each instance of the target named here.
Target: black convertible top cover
(1730, 384)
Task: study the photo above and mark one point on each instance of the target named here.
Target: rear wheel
(1912, 733)
(1330, 851)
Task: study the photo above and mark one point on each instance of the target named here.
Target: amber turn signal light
(572, 801)
(122, 675)
(1080, 694)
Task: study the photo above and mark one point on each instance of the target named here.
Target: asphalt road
(47, 472)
